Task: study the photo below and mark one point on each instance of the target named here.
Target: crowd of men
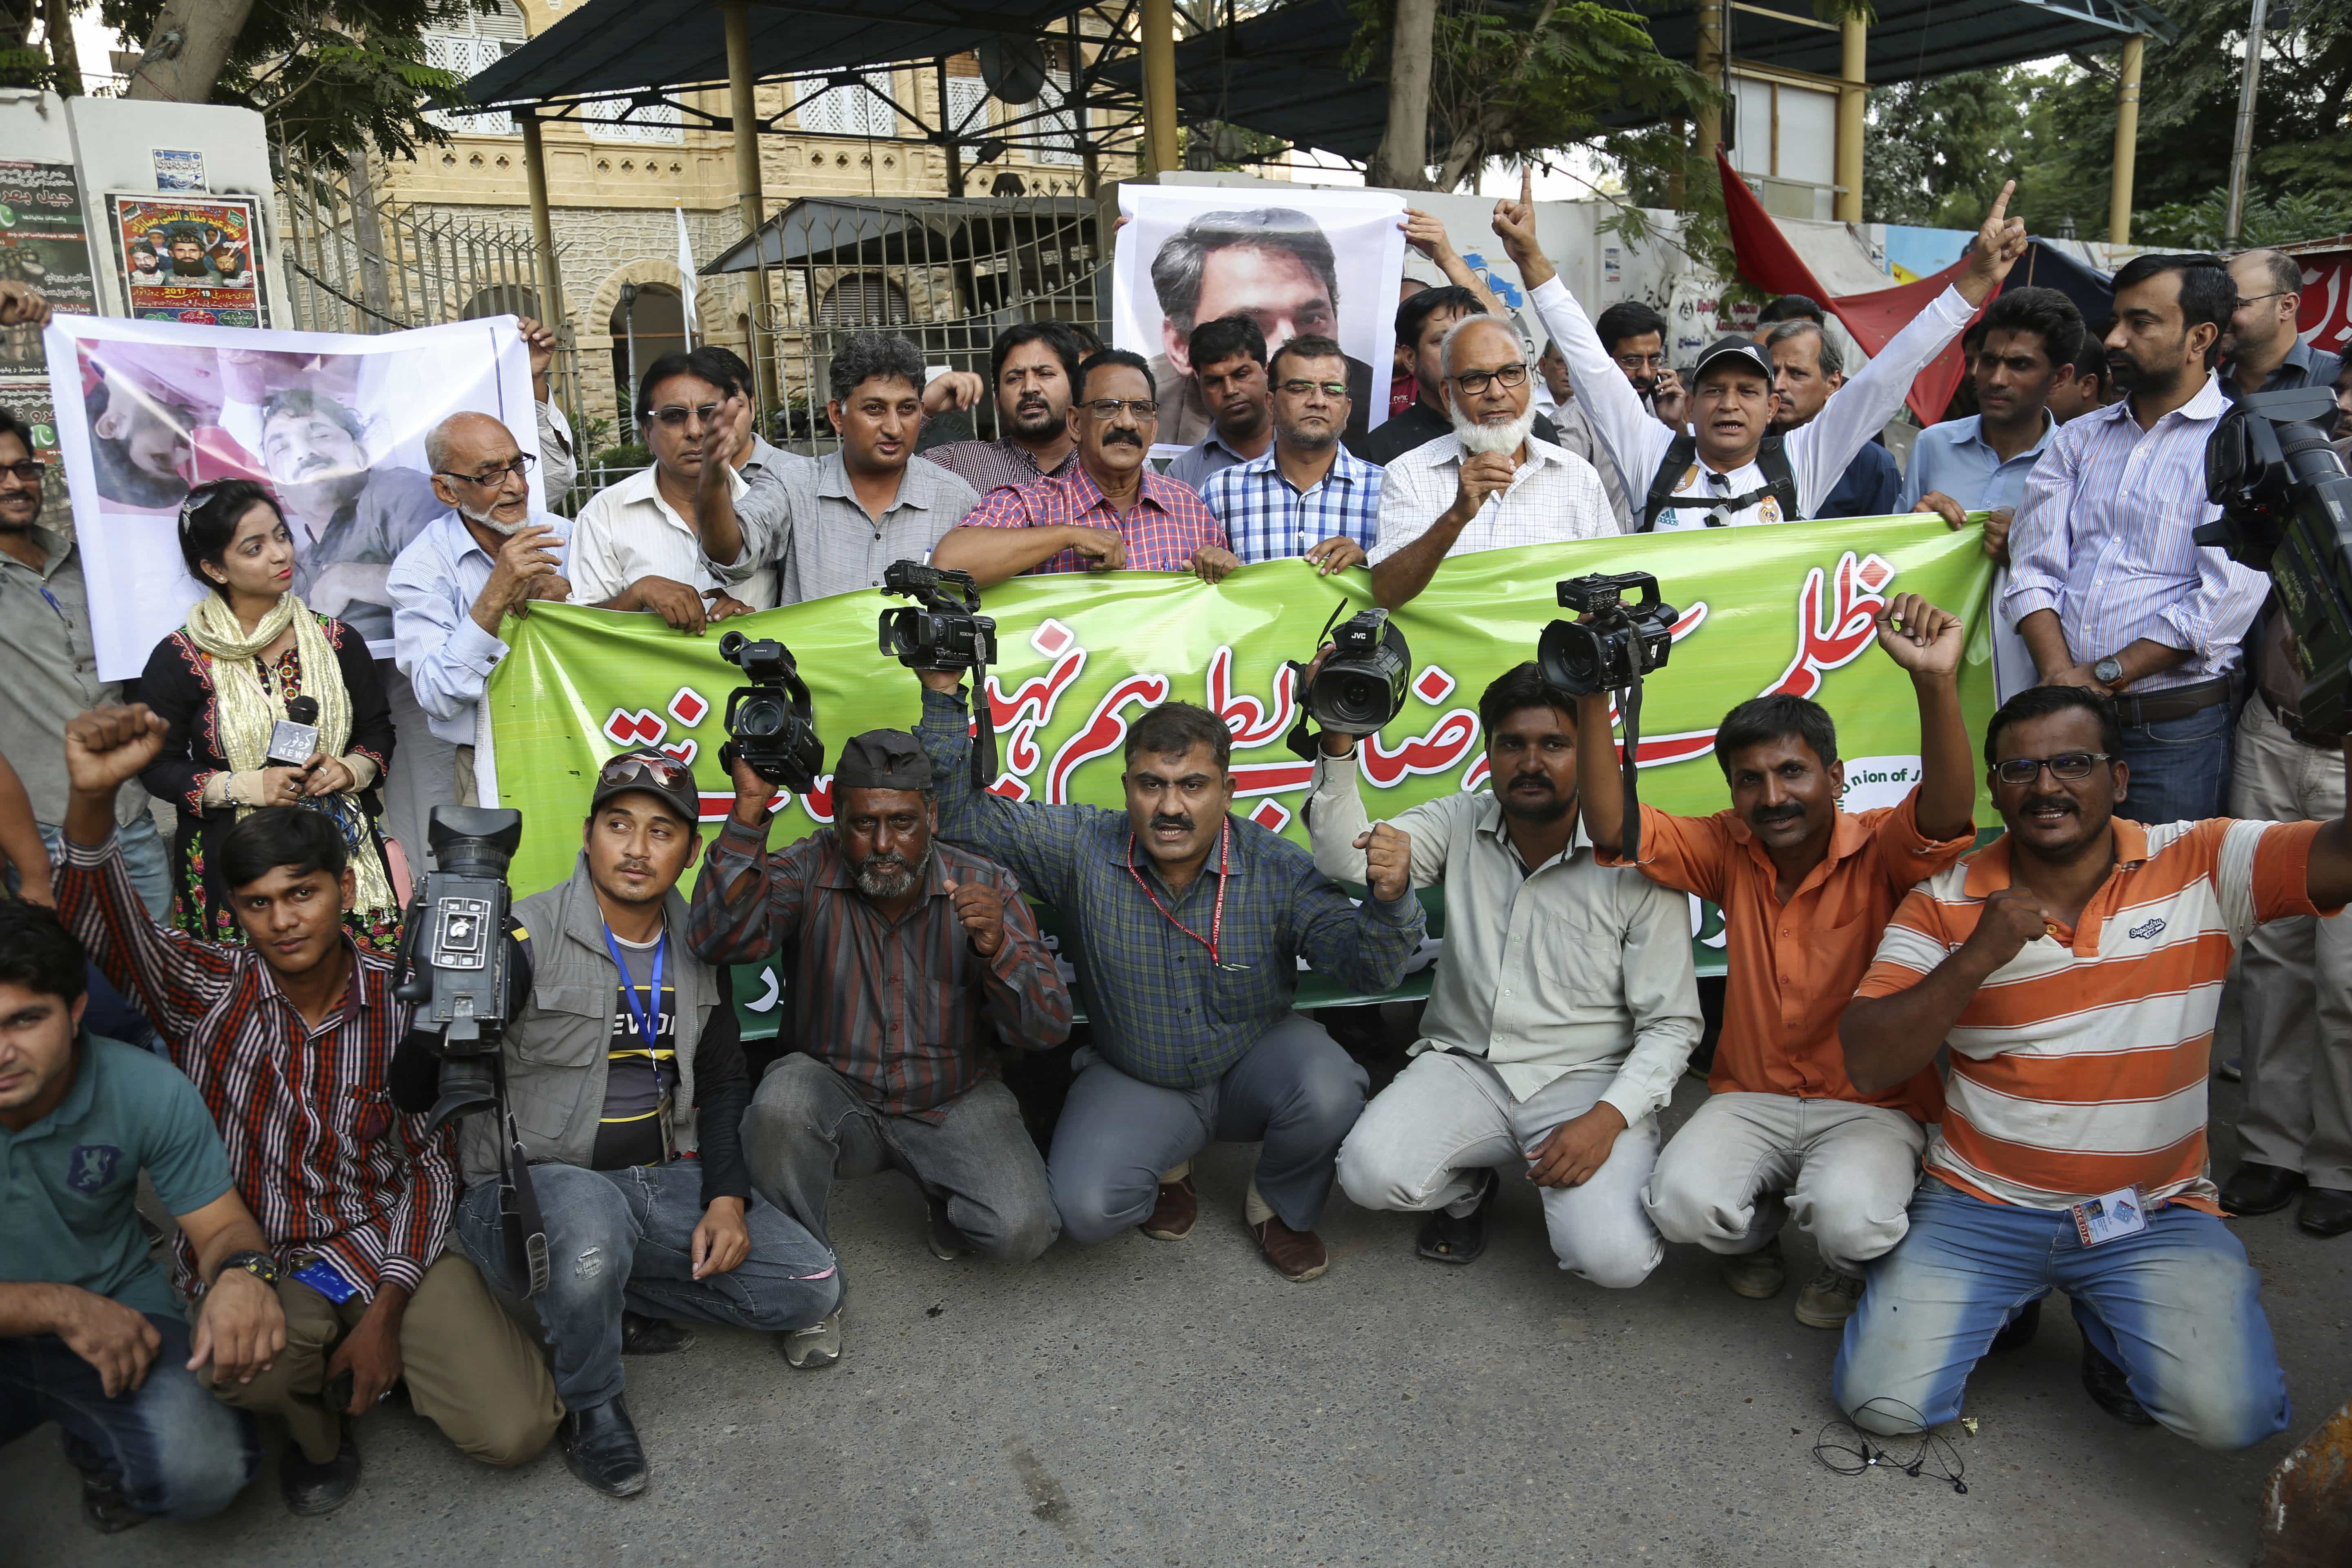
(1971, 1074)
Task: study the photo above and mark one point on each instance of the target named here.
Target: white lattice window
(967, 108)
(854, 110)
(468, 54)
(656, 123)
(1060, 129)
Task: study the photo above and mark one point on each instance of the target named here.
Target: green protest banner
(1785, 608)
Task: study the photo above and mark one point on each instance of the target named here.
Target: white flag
(686, 274)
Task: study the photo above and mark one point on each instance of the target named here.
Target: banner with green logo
(1785, 608)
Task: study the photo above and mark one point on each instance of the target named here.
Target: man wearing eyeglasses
(1492, 484)
(1634, 336)
(1113, 513)
(2074, 966)
(1308, 495)
(2261, 349)
(485, 558)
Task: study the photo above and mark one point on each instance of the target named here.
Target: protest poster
(334, 424)
(1787, 608)
(1323, 263)
(181, 259)
(43, 243)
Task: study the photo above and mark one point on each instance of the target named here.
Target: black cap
(656, 774)
(1745, 349)
(883, 759)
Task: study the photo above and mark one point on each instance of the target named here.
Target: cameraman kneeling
(626, 1051)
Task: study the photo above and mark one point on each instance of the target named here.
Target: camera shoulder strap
(1779, 483)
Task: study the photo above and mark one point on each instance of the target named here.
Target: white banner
(333, 424)
(1302, 262)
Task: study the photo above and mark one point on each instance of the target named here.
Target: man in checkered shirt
(1306, 494)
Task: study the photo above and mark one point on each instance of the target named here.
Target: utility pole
(2242, 150)
(2119, 184)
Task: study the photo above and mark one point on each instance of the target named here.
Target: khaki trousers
(470, 1369)
(463, 783)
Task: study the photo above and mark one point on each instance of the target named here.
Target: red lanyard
(1216, 913)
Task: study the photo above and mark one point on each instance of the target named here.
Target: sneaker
(105, 1510)
(947, 1243)
(642, 1335)
(1829, 1300)
(816, 1346)
(1173, 1217)
(1757, 1275)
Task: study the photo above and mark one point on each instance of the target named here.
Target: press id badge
(327, 1280)
(2123, 1212)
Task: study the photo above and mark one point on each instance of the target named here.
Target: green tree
(1938, 150)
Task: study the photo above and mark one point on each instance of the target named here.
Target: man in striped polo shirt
(2074, 966)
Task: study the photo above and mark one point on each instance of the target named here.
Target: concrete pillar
(743, 111)
(2120, 192)
(1853, 99)
(1159, 85)
(1709, 65)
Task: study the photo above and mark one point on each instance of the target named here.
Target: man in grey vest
(625, 1076)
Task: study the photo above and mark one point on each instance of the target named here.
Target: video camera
(455, 968)
(769, 721)
(944, 630)
(2286, 508)
(1611, 650)
(1361, 685)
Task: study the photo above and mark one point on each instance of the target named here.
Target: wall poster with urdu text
(189, 259)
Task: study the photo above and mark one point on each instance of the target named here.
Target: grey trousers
(1448, 1116)
(2294, 976)
(422, 775)
(1848, 1170)
(1295, 1093)
(807, 1128)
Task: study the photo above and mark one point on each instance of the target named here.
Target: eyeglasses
(2274, 294)
(665, 772)
(2064, 765)
(1641, 362)
(673, 414)
(28, 471)
(1298, 386)
(1475, 382)
(492, 478)
(1108, 408)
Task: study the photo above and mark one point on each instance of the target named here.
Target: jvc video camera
(1361, 685)
(2286, 508)
(454, 964)
(942, 629)
(1618, 645)
(769, 721)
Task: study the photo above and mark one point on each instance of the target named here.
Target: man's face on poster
(1273, 287)
(153, 435)
(317, 462)
(188, 257)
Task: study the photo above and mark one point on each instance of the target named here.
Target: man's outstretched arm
(1927, 642)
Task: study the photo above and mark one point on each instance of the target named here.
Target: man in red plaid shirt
(1110, 512)
(289, 1040)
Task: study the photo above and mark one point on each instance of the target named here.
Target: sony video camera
(2286, 508)
(1619, 645)
(942, 629)
(454, 962)
(769, 723)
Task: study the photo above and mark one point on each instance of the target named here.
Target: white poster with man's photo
(1299, 263)
(333, 424)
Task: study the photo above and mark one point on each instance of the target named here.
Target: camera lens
(760, 719)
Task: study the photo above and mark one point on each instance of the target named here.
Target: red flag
(1767, 260)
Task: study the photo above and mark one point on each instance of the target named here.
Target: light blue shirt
(1212, 455)
(1954, 458)
(435, 641)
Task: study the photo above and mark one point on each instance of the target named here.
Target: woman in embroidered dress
(222, 683)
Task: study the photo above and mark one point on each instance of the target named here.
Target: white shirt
(1817, 450)
(628, 530)
(436, 643)
(1554, 496)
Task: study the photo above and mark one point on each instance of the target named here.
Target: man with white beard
(1490, 485)
(456, 582)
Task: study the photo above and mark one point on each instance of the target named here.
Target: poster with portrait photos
(1298, 262)
(192, 259)
(334, 424)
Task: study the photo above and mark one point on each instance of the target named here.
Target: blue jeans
(624, 1239)
(168, 1446)
(149, 861)
(2176, 1305)
(2180, 767)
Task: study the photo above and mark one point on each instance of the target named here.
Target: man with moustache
(1807, 370)
(485, 558)
(1109, 513)
(1187, 925)
(1033, 366)
(889, 1074)
(2107, 585)
(350, 520)
(2074, 967)
(1308, 495)
(1229, 367)
(849, 515)
(1422, 323)
(1729, 470)
(1634, 336)
(1491, 484)
(1805, 890)
(1564, 1010)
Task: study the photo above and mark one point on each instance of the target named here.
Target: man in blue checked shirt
(1305, 495)
(1187, 925)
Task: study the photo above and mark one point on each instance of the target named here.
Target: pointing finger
(1527, 186)
(2000, 201)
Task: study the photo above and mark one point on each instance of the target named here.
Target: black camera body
(1618, 645)
(1361, 685)
(454, 966)
(942, 629)
(769, 721)
(2286, 508)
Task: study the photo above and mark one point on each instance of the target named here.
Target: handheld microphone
(294, 740)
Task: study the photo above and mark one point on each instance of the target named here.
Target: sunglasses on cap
(663, 772)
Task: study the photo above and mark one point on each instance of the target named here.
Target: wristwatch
(2109, 670)
(256, 1263)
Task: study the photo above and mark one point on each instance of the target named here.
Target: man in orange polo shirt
(1805, 890)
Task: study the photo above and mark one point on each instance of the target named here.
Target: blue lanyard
(646, 1020)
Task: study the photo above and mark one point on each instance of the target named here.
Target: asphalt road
(1150, 1403)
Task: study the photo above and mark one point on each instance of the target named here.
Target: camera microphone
(294, 740)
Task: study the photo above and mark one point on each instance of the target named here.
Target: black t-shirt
(638, 1079)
